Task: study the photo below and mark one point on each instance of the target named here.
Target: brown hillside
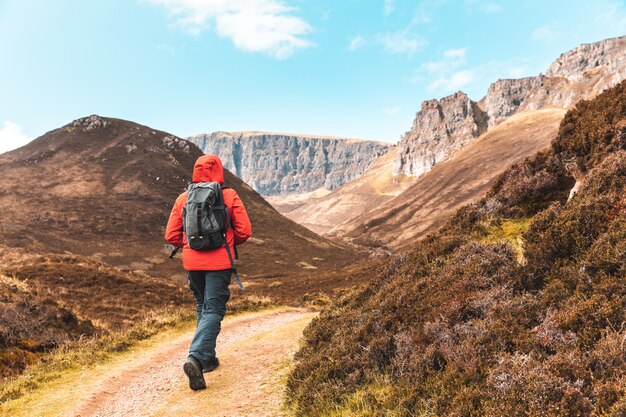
(463, 178)
(81, 238)
(516, 307)
(47, 300)
(322, 213)
(104, 187)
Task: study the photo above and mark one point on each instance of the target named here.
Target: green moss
(511, 231)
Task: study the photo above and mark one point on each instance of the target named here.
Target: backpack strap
(230, 255)
(230, 224)
(232, 264)
(173, 253)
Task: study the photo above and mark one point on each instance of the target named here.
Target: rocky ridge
(443, 126)
(278, 164)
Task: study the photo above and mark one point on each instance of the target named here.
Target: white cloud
(392, 110)
(12, 137)
(544, 33)
(613, 14)
(400, 42)
(388, 7)
(357, 42)
(451, 61)
(455, 53)
(267, 26)
(452, 72)
(454, 82)
(485, 6)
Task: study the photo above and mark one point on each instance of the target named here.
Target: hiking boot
(213, 363)
(193, 370)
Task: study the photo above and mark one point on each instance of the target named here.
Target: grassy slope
(375, 187)
(461, 326)
(460, 180)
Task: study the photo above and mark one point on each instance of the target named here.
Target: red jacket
(208, 168)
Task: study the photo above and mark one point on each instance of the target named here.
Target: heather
(515, 307)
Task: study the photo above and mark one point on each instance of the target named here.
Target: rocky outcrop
(506, 97)
(442, 127)
(581, 73)
(607, 56)
(275, 164)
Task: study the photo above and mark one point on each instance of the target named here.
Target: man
(208, 271)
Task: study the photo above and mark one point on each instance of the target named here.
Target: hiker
(203, 218)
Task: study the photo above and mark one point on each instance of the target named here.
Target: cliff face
(275, 164)
(578, 64)
(439, 129)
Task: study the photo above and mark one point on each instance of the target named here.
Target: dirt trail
(254, 351)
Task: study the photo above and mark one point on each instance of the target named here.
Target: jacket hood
(208, 168)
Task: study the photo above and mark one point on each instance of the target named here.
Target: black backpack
(206, 219)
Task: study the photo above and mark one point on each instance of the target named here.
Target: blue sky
(342, 68)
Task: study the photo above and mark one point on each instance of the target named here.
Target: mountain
(279, 164)
(104, 187)
(433, 197)
(322, 211)
(515, 307)
(440, 128)
(444, 126)
(395, 209)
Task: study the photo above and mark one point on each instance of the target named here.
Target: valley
(475, 267)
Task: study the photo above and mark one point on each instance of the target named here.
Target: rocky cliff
(275, 164)
(443, 126)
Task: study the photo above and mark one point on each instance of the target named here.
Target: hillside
(516, 307)
(283, 163)
(81, 242)
(47, 300)
(460, 180)
(322, 211)
(104, 187)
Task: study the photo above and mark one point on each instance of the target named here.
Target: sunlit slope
(463, 178)
(322, 213)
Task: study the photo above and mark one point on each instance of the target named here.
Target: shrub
(458, 327)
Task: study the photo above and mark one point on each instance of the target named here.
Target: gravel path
(254, 350)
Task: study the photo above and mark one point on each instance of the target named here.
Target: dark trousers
(210, 289)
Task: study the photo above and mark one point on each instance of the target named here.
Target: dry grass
(90, 350)
(511, 231)
(322, 213)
